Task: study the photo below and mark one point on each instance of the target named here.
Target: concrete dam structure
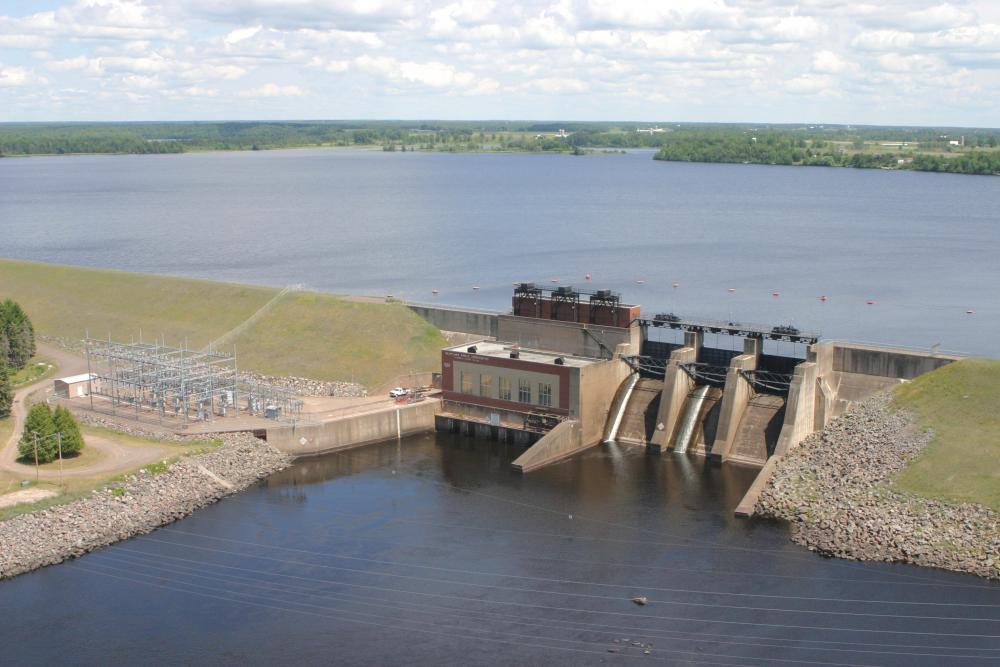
(743, 405)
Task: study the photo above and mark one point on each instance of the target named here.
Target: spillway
(692, 410)
(759, 429)
(618, 407)
(639, 421)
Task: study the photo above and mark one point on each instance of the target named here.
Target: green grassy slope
(961, 403)
(304, 334)
(318, 335)
(66, 301)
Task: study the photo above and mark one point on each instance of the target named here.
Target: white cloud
(431, 74)
(22, 41)
(828, 62)
(14, 76)
(273, 90)
(710, 59)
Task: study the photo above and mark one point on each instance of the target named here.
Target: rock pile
(138, 505)
(308, 387)
(836, 491)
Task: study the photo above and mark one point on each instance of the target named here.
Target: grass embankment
(37, 368)
(960, 402)
(311, 335)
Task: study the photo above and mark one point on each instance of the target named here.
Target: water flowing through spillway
(618, 408)
(691, 412)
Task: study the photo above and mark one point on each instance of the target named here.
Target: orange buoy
(870, 302)
(587, 277)
(775, 293)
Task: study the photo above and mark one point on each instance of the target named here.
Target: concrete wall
(561, 442)
(800, 410)
(598, 385)
(478, 322)
(735, 397)
(352, 431)
(676, 386)
(881, 361)
(583, 340)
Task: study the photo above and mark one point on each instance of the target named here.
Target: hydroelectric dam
(567, 369)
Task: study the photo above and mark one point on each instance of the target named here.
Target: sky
(886, 62)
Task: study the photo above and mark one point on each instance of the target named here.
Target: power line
(570, 594)
(633, 586)
(536, 622)
(573, 609)
(187, 562)
(513, 634)
(381, 624)
(703, 570)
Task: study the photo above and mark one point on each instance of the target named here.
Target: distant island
(955, 150)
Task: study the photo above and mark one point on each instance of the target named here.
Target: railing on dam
(645, 366)
(709, 374)
(743, 329)
(767, 382)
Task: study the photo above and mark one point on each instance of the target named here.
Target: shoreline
(835, 490)
(140, 504)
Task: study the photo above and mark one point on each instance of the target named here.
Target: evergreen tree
(6, 393)
(72, 439)
(38, 427)
(17, 335)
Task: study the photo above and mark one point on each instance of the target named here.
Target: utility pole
(59, 440)
(34, 437)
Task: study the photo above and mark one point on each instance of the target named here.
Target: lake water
(431, 552)
(924, 247)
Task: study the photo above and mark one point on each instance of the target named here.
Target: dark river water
(924, 247)
(431, 552)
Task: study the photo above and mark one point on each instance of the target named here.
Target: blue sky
(914, 62)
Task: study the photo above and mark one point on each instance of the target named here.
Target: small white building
(75, 386)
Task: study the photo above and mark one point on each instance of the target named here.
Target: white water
(691, 412)
(611, 431)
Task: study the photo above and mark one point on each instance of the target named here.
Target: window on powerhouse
(545, 394)
(523, 391)
(466, 383)
(504, 389)
(486, 385)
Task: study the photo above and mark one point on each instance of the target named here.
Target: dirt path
(115, 456)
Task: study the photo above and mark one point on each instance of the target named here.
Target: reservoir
(430, 551)
(922, 247)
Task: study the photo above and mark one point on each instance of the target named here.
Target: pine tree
(38, 427)
(19, 334)
(6, 393)
(72, 439)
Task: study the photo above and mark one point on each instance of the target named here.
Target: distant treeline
(922, 149)
(50, 139)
